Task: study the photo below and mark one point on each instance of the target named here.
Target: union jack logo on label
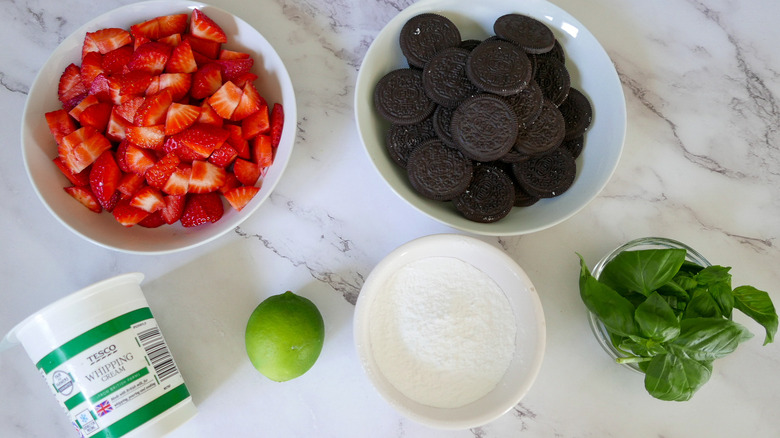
(103, 408)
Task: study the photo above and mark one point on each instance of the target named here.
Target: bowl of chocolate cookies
(497, 118)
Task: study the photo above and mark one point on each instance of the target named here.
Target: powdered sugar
(442, 332)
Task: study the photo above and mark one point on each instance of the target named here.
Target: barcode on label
(160, 357)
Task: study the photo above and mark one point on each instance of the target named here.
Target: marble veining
(700, 164)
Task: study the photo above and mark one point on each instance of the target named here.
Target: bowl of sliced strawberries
(159, 126)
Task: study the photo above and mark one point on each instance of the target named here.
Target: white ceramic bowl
(525, 304)
(39, 148)
(591, 71)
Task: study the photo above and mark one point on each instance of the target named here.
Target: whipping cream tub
(104, 358)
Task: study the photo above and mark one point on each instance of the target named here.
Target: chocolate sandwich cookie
(574, 145)
(469, 44)
(489, 197)
(444, 77)
(527, 103)
(553, 78)
(442, 121)
(527, 32)
(577, 114)
(513, 156)
(426, 34)
(523, 198)
(557, 53)
(400, 97)
(437, 171)
(402, 139)
(547, 175)
(499, 67)
(544, 134)
(484, 127)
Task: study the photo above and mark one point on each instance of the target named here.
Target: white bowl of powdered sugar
(450, 331)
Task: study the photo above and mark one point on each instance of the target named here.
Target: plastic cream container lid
(104, 357)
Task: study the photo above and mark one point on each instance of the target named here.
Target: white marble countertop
(701, 164)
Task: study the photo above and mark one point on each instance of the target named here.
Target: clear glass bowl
(599, 330)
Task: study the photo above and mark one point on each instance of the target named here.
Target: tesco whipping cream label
(114, 377)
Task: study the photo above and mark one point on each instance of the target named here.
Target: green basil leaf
(673, 289)
(713, 274)
(675, 378)
(656, 319)
(690, 267)
(722, 294)
(642, 271)
(707, 339)
(614, 310)
(642, 346)
(685, 281)
(702, 305)
(758, 305)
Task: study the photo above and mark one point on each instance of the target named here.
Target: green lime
(284, 336)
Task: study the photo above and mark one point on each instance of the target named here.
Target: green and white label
(115, 377)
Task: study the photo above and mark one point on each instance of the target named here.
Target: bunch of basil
(671, 316)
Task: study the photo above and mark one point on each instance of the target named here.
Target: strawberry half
(246, 171)
(154, 109)
(179, 181)
(149, 137)
(105, 40)
(250, 102)
(206, 81)
(127, 215)
(201, 209)
(84, 195)
(239, 197)
(225, 100)
(71, 89)
(104, 179)
(148, 199)
(96, 116)
(150, 57)
(206, 177)
(204, 27)
(182, 60)
(180, 117)
(173, 209)
(60, 124)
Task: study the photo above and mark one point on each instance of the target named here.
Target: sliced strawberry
(96, 116)
(104, 179)
(71, 89)
(149, 137)
(148, 30)
(174, 207)
(133, 83)
(158, 174)
(139, 41)
(277, 123)
(171, 40)
(250, 103)
(262, 151)
(70, 141)
(127, 215)
(206, 81)
(179, 181)
(91, 66)
(60, 124)
(184, 152)
(105, 40)
(225, 100)
(77, 179)
(86, 152)
(130, 184)
(247, 172)
(231, 54)
(182, 60)
(84, 195)
(172, 24)
(128, 109)
(138, 160)
(154, 109)
(235, 68)
(115, 61)
(153, 220)
(257, 123)
(204, 27)
(201, 209)
(210, 117)
(239, 197)
(223, 156)
(150, 57)
(206, 177)
(117, 126)
(178, 83)
(148, 199)
(101, 88)
(231, 182)
(78, 109)
(242, 80)
(203, 50)
(237, 141)
(203, 139)
(180, 117)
